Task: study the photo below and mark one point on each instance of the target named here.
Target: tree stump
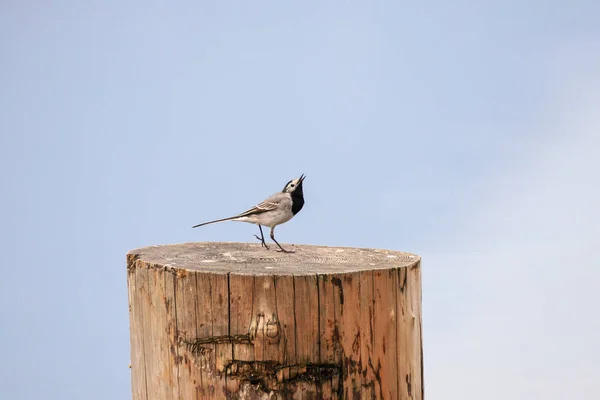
(235, 321)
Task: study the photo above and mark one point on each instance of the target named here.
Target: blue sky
(468, 134)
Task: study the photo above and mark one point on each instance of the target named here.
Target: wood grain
(235, 321)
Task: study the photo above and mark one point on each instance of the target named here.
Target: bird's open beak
(302, 178)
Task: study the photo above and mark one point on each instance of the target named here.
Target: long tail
(215, 221)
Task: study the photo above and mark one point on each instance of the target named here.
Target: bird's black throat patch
(297, 200)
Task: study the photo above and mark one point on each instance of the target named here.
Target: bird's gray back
(279, 197)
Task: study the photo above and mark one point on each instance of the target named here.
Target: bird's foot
(285, 251)
(282, 250)
(262, 242)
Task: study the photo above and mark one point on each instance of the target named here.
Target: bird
(274, 210)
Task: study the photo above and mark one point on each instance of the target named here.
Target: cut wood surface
(236, 321)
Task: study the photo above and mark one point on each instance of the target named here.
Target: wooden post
(235, 321)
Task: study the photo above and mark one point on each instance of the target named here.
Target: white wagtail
(275, 210)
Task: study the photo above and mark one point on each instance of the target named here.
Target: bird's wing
(260, 208)
(267, 205)
(271, 203)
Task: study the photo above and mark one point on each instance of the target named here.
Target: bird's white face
(293, 185)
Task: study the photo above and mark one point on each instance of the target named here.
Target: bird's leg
(261, 238)
(273, 238)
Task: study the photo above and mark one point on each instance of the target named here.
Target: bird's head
(294, 186)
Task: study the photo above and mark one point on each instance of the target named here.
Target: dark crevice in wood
(295, 322)
(276, 336)
(338, 282)
(174, 346)
(318, 319)
(212, 309)
(271, 376)
(284, 341)
(402, 281)
(377, 373)
(397, 329)
(250, 334)
(275, 314)
(196, 319)
(228, 305)
(338, 350)
(356, 345)
(228, 326)
(195, 303)
(372, 311)
(197, 349)
(229, 311)
(143, 339)
(213, 348)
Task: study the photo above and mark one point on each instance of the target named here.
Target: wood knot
(273, 328)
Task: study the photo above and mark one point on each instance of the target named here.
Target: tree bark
(235, 321)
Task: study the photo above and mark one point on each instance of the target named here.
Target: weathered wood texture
(235, 321)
